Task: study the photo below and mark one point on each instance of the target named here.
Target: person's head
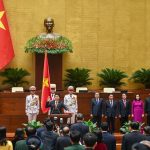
(75, 136)
(111, 96)
(70, 89)
(147, 130)
(19, 133)
(135, 125)
(124, 96)
(49, 125)
(49, 24)
(98, 134)
(139, 146)
(65, 130)
(32, 89)
(97, 95)
(137, 97)
(90, 140)
(46, 120)
(33, 142)
(57, 97)
(104, 126)
(3, 140)
(80, 117)
(30, 131)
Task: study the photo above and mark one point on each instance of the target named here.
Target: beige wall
(104, 33)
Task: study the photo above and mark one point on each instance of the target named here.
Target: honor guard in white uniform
(70, 100)
(32, 104)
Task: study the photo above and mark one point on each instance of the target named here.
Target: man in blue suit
(111, 112)
(108, 138)
(97, 109)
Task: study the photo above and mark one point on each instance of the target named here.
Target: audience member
(140, 146)
(147, 132)
(131, 138)
(75, 138)
(49, 137)
(19, 135)
(108, 138)
(64, 140)
(21, 145)
(90, 141)
(4, 143)
(100, 145)
(80, 126)
(33, 142)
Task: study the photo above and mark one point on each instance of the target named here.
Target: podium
(64, 116)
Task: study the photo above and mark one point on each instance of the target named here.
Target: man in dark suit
(56, 106)
(97, 109)
(124, 109)
(64, 140)
(49, 137)
(147, 110)
(111, 112)
(80, 126)
(131, 138)
(108, 138)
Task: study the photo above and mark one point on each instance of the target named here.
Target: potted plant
(92, 126)
(34, 124)
(78, 77)
(14, 77)
(142, 76)
(111, 78)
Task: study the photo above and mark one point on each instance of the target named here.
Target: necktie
(124, 103)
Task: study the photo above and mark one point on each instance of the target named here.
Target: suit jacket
(111, 111)
(130, 138)
(62, 142)
(97, 108)
(75, 147)
(147, 105)
(56, 110)
(32, 104)
(49, 139)
(81, 127)
(109, 140)
(122, 110)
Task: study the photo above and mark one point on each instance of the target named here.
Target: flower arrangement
(34, 124)
(53, 46)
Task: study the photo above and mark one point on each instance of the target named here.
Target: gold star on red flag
(1, 24)
(45, 82)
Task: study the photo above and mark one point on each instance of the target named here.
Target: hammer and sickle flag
(46, 85)
(6, 47)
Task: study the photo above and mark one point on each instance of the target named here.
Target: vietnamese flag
(46, 85)
(6, 47)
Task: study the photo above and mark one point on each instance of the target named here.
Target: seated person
(56, 105)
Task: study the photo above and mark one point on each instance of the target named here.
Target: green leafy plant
(126, 127)
(92, 126)
(34, 124)
(14, 76)
(142, 76)
(111, 77)
(77, 77)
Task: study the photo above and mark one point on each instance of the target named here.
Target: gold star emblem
(1, 24)
(45, 82)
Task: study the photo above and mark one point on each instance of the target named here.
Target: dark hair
(139, 96)
(30, 131)
(19, 134)
(80, 116)
(135, 125)
(46, 120)
(3, 140)
(49, 125)
(57, 94)
(75, 136)
(147, 130)
(139, 146)
(90, 139)
(104, 126)
(98, 134)
(33, 142)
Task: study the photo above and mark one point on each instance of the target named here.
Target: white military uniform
(70, 101)
(32, 107)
